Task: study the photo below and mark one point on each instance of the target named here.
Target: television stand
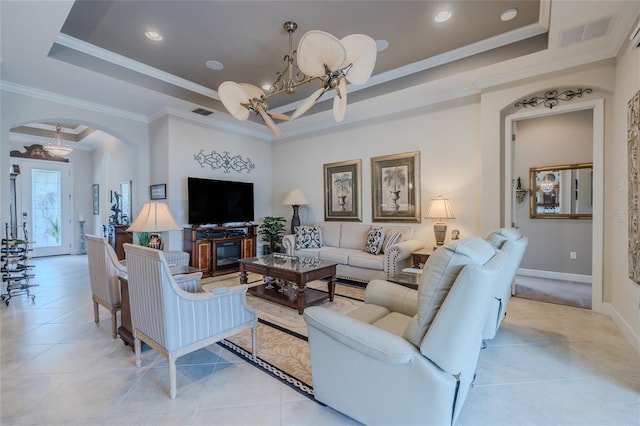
(216, 250)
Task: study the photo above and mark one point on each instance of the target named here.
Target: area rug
(283, 348)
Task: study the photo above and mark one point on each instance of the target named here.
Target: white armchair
(176, 322)
(104, 269)
(408, 356)
(513, 243)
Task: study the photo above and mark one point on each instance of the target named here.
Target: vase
(342, 200)
(395, 195)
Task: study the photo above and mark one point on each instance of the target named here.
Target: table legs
(332, 287)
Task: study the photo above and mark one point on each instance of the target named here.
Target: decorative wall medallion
(225, 161)
(552, 98)
(633, 146)
(36, 152)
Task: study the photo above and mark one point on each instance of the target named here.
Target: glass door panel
(46, 206)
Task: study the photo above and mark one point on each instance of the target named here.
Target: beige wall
(622, 293)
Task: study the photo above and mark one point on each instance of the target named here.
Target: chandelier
(55, 147)
(320, 56)
(548, 183)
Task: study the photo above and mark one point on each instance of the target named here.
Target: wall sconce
(520, 192)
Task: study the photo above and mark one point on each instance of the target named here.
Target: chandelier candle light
(439, 208)
(155, 218)
(55, 147)
(295, 198)
(320, 56)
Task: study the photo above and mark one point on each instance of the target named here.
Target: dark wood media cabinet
(216, 250)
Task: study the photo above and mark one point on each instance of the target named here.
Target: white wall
(97, 167)
(185, 139)
(448, 141)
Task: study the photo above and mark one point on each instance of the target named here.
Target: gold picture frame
(561, 192)
(395, 188)
(342, 191)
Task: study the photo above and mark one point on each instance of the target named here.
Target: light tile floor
(548, 364)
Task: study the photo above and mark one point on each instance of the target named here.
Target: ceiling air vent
(202, 111)
(635, 37)
(585, 32)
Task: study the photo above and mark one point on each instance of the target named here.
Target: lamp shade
(295, 197)
(154, 217)
(440, 208)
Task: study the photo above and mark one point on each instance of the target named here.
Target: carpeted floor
(568, 293)
(283, 350)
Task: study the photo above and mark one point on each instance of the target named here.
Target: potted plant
(272, 230)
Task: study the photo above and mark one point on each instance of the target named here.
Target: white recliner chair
(408, 356)
(513, 243)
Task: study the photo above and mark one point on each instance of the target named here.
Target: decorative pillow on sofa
(374, 241)
(390, 239)
(308, 237)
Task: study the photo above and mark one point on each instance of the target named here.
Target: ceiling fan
(320, 56)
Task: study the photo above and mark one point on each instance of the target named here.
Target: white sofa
(344, 242)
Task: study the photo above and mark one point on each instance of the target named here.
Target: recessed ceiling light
(153, 35)
(381, 45)
(508, 14)
(442, 16)
(266, 86)
(214, 65)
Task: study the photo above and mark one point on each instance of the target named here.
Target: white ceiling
(93, 53)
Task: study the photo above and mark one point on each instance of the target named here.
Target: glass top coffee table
(407, 279)
(291, 273)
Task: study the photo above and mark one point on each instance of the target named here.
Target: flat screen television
(216, 202)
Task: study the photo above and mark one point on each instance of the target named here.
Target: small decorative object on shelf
(16, 270)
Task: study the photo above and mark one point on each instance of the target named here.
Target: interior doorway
(44, 204)
(546, 278)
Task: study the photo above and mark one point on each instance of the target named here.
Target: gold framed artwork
(633, 147)
(561, 192)
(395, 188)
(342, 191)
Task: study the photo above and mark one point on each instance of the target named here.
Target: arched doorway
(597, 108)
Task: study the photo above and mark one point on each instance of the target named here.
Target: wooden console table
(206, 245)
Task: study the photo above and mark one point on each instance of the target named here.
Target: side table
(419, 257)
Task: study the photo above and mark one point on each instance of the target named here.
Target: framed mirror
(561, 192)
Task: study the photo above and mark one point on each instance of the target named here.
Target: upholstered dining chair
(175, 322)
(104, 269)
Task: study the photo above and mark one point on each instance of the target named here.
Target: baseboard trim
(562, 276)
(626, 329)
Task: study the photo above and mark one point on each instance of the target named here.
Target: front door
(46, 206)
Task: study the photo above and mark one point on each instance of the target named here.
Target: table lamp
(295, 198)
(154, 218)
(439, 208)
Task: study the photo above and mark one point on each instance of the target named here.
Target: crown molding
(69, 101)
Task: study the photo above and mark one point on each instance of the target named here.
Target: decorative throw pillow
(390, 239)
(308, 237)
(374, 241)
